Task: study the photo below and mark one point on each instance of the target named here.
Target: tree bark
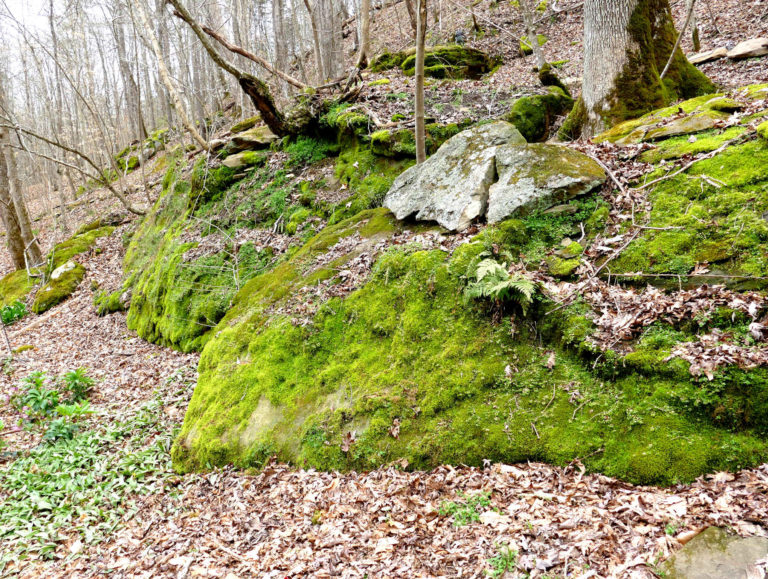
(34, 255)
(626, 45)
(530, 29)
(321, 68)
(421, 25)
(13, 239)
(131, 88)
(363, 54)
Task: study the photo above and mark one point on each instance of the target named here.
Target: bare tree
(530, 29)
(166, 77)
(421, 33)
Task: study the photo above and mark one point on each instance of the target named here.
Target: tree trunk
(421, 25)
(411, 14)
(31, 246)
(131, 88)
(626, 45)
(530, 29)
(13, 239)
(321, 68)
(365, 34)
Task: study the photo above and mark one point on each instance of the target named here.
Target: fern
(492, 280)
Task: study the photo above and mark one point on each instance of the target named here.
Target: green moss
(547, 77)
(534, 115)
(379, 82)
(762, 131)
(716, 209)
(59, 288)
(245, 124)
(678, 147)
(525, 44)
(639, 88)
(369, 177)
(15, 286)
(451, 61)
(209, 184)
(407, 347)
(106, 303)
(574, 123)
(387, 60)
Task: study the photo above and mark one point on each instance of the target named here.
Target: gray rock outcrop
(716, 554)
(491, 171)
(451, 187)
(749, 49)
(536, 177)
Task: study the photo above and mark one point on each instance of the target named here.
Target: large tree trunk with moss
(627, 43)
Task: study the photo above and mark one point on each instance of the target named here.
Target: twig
(709, 155)
(536, 432)
(679, 38)
(677, 275)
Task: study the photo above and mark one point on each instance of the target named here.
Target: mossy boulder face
(451, 187)
(452, 61)
(762, 131)
(255, 139)
(712, 215)
(62, 284)
(176, 299)
(15, 286)
(406, 368)
(534, 115)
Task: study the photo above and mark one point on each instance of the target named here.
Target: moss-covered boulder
(254, 139)
(75, 245)
(406, 369)
(62, 284)
(711, 215)
(534, 115)
(762, 130)
(489, 171)
(451, 61)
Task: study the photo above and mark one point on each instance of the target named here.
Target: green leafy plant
(86, 482)
(13, 312)
(33, 398)
(60, 429)
(467, 510)
(504, 561)
(77, 384)
(492, 280)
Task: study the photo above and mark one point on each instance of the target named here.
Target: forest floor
(288, 522)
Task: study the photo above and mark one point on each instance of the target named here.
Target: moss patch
(66, 250)
(716, 210)
(451, 61)
(15, 286)
(534, 115)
